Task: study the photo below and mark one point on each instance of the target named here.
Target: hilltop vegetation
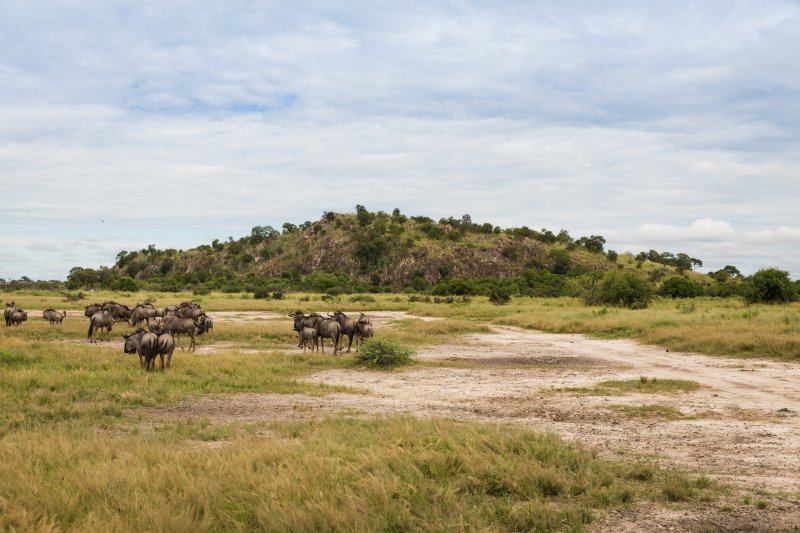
(381, 252)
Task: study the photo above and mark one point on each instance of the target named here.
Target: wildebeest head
(299, 319)
(132, 341)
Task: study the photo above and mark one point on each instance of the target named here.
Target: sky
(666, 125)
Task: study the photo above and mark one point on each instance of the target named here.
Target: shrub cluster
(384, 352)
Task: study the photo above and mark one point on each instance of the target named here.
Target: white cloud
(165, 125)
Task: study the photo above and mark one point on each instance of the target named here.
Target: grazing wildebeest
(326, 328)
(53, 316)
(100, 320)
(9, 310)
(349, 326)
(170, 310)
(166, 345)
(19, 317)
(208, 325)
(178, 326)
(118, 311)
(308, 339)
(91, 309)
(143, 312)
(145, 345)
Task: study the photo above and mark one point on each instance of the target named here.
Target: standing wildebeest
(363, 332)
(118, 311)
(143, 312)
(349, 327)
(208, 325)
(308, 339)
(18, 317)
(189, 312)
(9, 310)
(91, 309)
(154, 324)
(170, 310)
(53, 316)
(326, 328)
(100, 320)
(178, 326)
(166, 345)
(143, 344)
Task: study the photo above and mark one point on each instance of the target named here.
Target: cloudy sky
(667, 125)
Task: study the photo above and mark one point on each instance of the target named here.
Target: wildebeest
(118, 311)
(308, 339)
(100, 320)
(143, 312)
(154, 324)
(9, 310)
(208, 326)
(326, 328)
(349, 326)
(363, 332)
(53, 316)
(189, 312)
(145, 345)
(170, 310)
(91, 309)
(18, 317)
(178, 326)
(166, 345)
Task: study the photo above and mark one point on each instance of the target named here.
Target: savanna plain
(538, 415)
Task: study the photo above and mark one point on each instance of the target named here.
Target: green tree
(680, 287)
(624, 289)
(770, 285)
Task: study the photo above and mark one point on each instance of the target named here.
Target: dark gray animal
(170, 310)
(308, 339)
(9, 310)
(326, 328)
(91, 309)
(189, 312)
(118, 311)
(143, 312)
(349, 326)
(154, 324)
(363, 332)
(166, 345)
(181, 326)
(53, 316)
(19, 317)
(145, 345)
(100, 320)
(208, 326)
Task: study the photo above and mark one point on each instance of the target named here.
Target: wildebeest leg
(161, 355)
(349, 344)
(191, 342)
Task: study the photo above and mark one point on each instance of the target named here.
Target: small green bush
(623, 289)
(384, 352)
(500, 295)
(261, 294)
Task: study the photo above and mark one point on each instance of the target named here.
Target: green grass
(643, 385)
(650, 412)
(336, 474)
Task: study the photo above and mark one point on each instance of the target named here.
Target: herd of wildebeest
(188, 318)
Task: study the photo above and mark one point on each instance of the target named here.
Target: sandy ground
(742, 425)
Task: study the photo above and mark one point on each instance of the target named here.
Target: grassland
(704, 325)
(80, 448)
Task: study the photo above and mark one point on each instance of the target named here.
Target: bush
(383, 352)
(73, 296)
(278, 295)
(363, 298)
(500, 295)
(680, 287)
(125, 284)
(770, 285)
(623, 289)
(261, 294)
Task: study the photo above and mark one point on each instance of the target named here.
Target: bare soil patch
(515, 375)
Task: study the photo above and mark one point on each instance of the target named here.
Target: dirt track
(742, 425)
